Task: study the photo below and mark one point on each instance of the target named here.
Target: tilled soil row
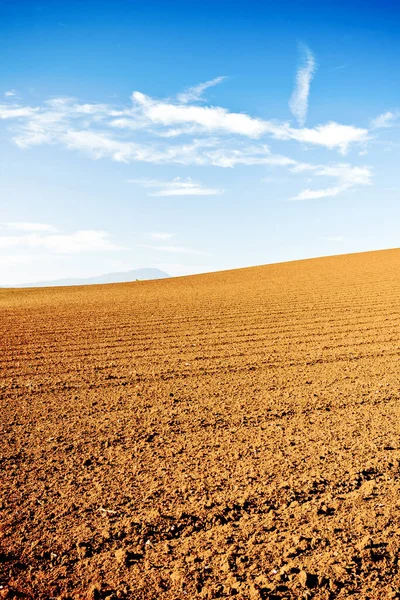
(235, 434)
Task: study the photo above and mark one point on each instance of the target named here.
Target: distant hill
(126, 276)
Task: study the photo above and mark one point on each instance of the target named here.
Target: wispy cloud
(299, 100)
(385, 120)
(10, 93)
(331, 135)
(14, 111)
(180, 132)
(207, 118)
(160, 236)
(27, 226)
(317, 194)
(346, 176)
(195, 93)
(221, 139)
(340, 67)
(215, 119)
(101, 130)
(176, 187)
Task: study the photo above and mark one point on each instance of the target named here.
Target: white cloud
(177, 187)
(208, 118)
(147, 130)
(221, 137)
(100, 145)
(385, 120)
(16, 112)
(213, 119)
(192, 94)
(346, 175)
(10, 93)
(246, 155)
(168, 132)
(331, 135)
(315, 194)
(160, 236)
(74, 243)
(26, 226)
(299, 101)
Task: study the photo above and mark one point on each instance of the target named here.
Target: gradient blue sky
(113, 157)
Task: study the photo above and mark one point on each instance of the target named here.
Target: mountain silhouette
(123, 277)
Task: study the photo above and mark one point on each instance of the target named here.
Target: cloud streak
(298, 103)
(195, 93)
(176, 187)
(161, 131)
(346, 177)
(183, 132)
(385, 120)
(218, 120)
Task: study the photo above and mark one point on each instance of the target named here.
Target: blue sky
(195, 136)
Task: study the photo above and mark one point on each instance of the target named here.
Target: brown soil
(234, 434)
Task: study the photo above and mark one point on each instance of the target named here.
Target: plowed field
(234, 434)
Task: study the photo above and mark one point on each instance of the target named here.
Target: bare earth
(235, 434)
